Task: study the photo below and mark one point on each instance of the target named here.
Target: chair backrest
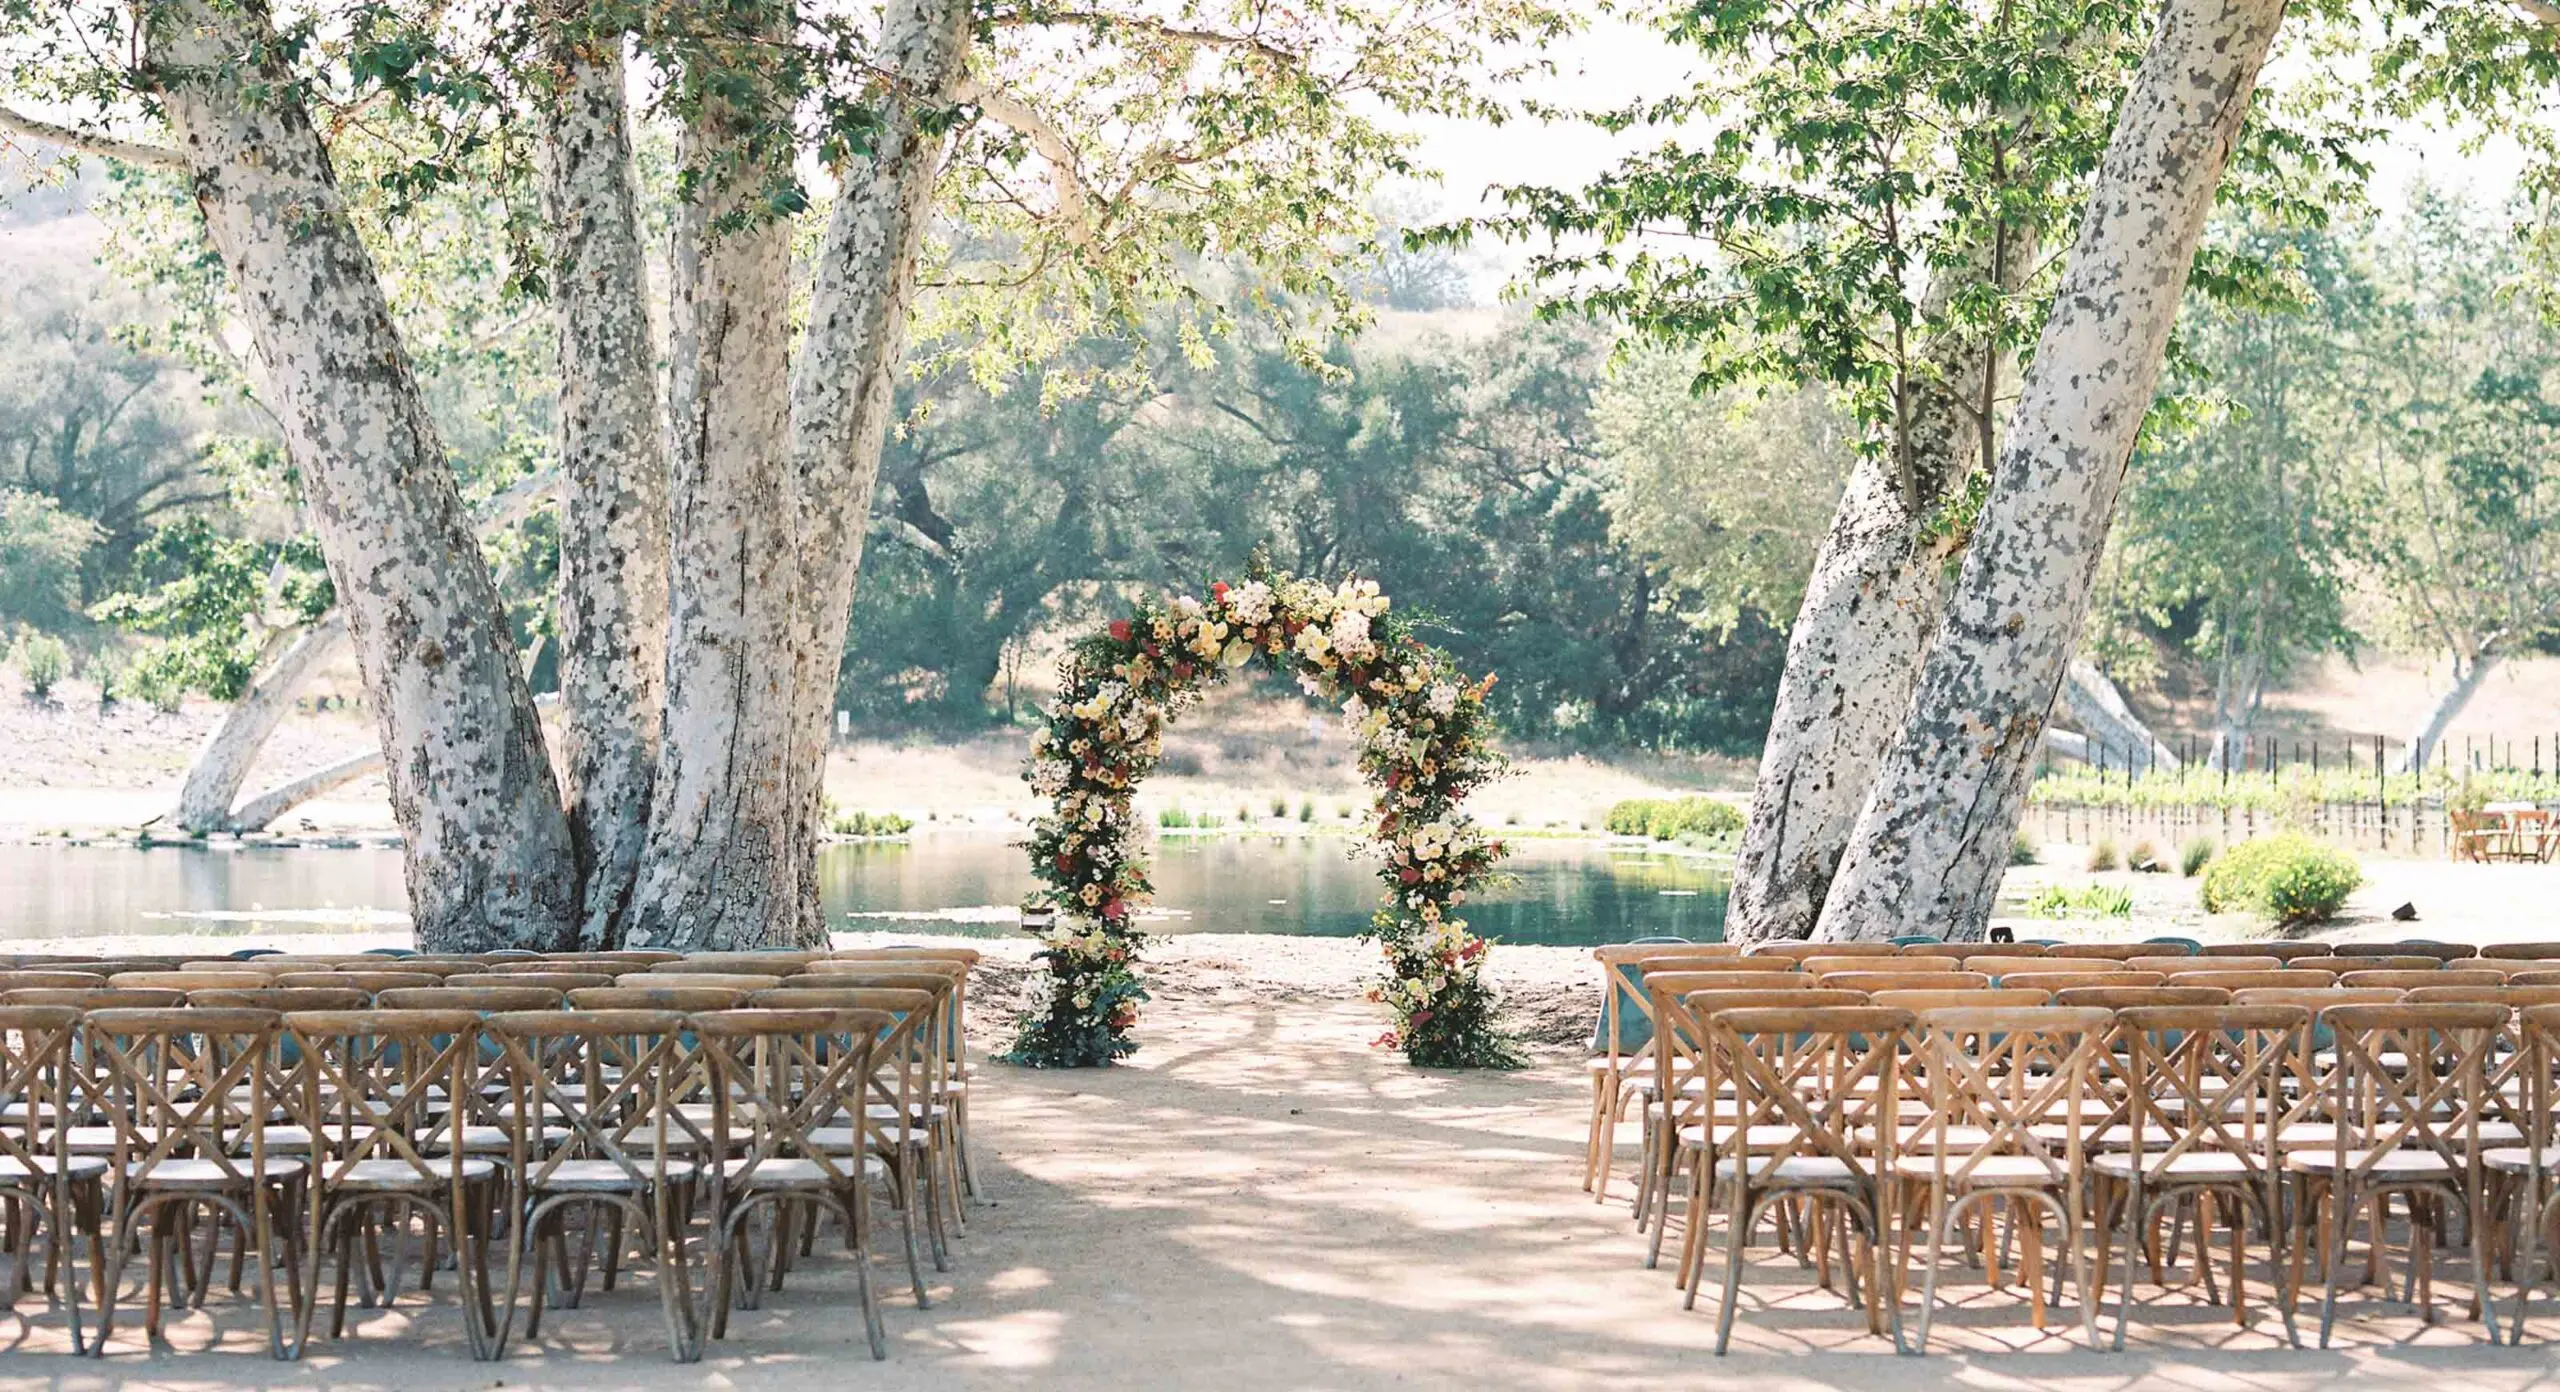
(775, 1078)
(2245, 980)
(1998, 965)
(2173, 966)
(1799, 951)
(1807, 1083)
(2285, 950)
(2132, 997)
(562, 981)
(2008, 1070)
(736, 981)
(1624, 1029)
(482, 999)
(2411, 1078)
(1896, 979)
(2314, 999)
(1657, 985)
(2207, 1079)
(2057, 981)
(2413, 947)
(734, 964)
(38, 1044)
(1934, 948)
(2107, 952)
(1996, 998)
(1763, 964)
(2522, 951)
(595, 1085)
(197, 1083)
(1895, 963)
(2343, 963)
(231, 965)
(554, 966)
(683, 999)
(369, 982)
(375, 1082)
(280, 998)
(969, 955)
(96, 997)
(2412, 980)
(190, 980)
(2504, 966)
(37, 978)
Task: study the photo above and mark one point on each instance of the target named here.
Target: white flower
(1312, 642)
(1187, 607)
(1443, 699)
(1251, 601)
(1351, 632)
(1355, 711)
(1238, 653)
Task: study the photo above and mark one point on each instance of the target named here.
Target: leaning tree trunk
(1862, 632)
(208, 798)
(2099, 709)
(613, 518)
(489, 860)
(843, 385)
(2467, 678)
(721, 867)
(1929, 849)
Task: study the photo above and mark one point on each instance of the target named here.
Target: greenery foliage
(2195, 855)
(872, 824)
(1424, 733)
(2288, 877)
(42, 550)
(2080, 901)
(2104, 856)
(1674, 819)
(42, 661)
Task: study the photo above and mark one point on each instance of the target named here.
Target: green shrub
(1279, 807)
(42, 660)
(2194, 856)
(2289, 877)
(2104, 856)
(2144, 857)
(2084, 901)
(158, 682)
(106, 672)
(869, 824)
(1175, 817)
(1672, 819)
(1307, 810)
(2022, 849)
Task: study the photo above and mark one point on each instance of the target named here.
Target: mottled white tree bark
(721, 865)
(1929, 848)
(613, 518)
(843, 384)
(489, 859)
(2115, 732)
(1862, 632)
(2468, 674)
(259, 811)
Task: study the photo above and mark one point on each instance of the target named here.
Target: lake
(1560, 892)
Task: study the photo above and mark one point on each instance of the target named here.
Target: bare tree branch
(87, 143)
(1075, 202)
(2541, 12)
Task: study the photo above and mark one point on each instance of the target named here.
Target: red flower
(1119, 630)
(1115, 909)
(1407, 874)
(1066, 863)
(1219, 590)
(1385, 1041)
(1420, 1018)
(1473, 950)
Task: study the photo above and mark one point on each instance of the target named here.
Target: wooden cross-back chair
(379, 1084)
(902, 1124)
(1801, 951)
(188, 1094)
(952, 1088)
(1995, 1079)
(1684, 1114)
(2206, 1083)
(615, 1140)
(2342, 963)
(29, 980)
(2413, 980)
(779, 1077)
(1621, 1048)
(2107, 952)
(1868, 966)
(2527, 1168)
(370, 982)
(1874, 981)
(1808, 1085)
(48, 1195)
(2131, 997)
(2063, 981)
(2406, 1087)
(2276, 979)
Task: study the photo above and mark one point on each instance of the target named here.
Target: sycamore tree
(1077, 159)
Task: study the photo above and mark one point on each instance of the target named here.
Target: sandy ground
(1260, 1201)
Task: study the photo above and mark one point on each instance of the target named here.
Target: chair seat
(2392, 1164)
(1992, 1171)
(206, 1174)
(2519, 1159)
(800, 1173)
(101, 1140)
(1755, 1138)
(1805, 1171)
(602, 1177)
(839, 1140)
(488, 1140)
(401, 1177)
(2118, 1137)
(77, 1167)
(1959, 1138)
(2194, 1166)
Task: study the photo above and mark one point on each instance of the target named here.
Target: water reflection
(1563, 892)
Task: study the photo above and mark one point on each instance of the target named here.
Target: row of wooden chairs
(766, 1096)
(1886, 1125)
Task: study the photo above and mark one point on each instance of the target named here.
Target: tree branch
(1075, 203)
(1204, 38)
(2541, 12)
(82, 142)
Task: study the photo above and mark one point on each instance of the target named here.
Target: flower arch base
(1425, 743)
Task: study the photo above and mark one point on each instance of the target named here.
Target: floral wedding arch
(1423, 735)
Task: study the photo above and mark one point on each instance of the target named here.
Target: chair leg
(1737, 1232)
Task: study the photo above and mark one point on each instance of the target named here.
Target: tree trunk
(224, 762)
(843, 385)
(228, 755)
(2112, 727)
(489, 860)
(1860, 636)
(259, 811)
(2467, 678)
(720, 867)
(1930, 847)
(613, 522)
